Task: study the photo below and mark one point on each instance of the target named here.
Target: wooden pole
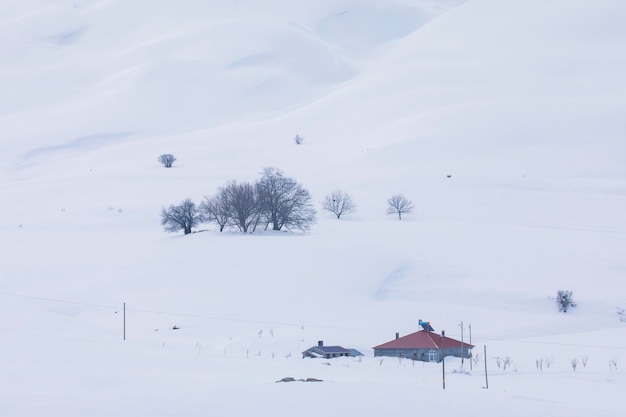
(443, 358)
(485, 359)
(462, 347)
(470, 342)
(124, 321)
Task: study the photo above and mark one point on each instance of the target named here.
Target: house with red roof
(423, 346)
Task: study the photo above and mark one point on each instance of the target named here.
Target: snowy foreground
(501, 121)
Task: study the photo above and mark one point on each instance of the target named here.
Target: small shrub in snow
(167, 159)
(584, 360)
(574, 364)
(622, 314)
(475, 358)
(503, 363)
(298, 139)
(540, 362)
(565, 300)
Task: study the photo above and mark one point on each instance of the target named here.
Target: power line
(169, 313)
(278, 323)
(57, 300)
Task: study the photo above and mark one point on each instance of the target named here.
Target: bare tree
(181, 217)
(283, 202)
(217, 209)
(399, 204)
(243, 205)
(339, 202)
(167, 159)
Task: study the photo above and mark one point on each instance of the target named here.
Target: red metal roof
(423, 340)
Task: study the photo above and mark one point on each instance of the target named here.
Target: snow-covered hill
(501, 121)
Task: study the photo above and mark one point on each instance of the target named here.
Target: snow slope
(502, 121)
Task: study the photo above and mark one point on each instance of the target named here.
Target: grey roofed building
(328, 352)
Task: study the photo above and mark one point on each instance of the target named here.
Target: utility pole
(443, 358)
(462, 347)
(470, 342)
(485, 360)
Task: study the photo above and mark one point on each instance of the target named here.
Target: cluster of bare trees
(274, 200)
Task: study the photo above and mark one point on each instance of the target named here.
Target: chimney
(320, 343)
(397, 335)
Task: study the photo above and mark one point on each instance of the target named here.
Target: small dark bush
(565, 300)
(167, 159)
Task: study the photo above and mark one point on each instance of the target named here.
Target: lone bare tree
(339, 203)
(181, 217)
(283, 202)
(167, 159)
(399, 204)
